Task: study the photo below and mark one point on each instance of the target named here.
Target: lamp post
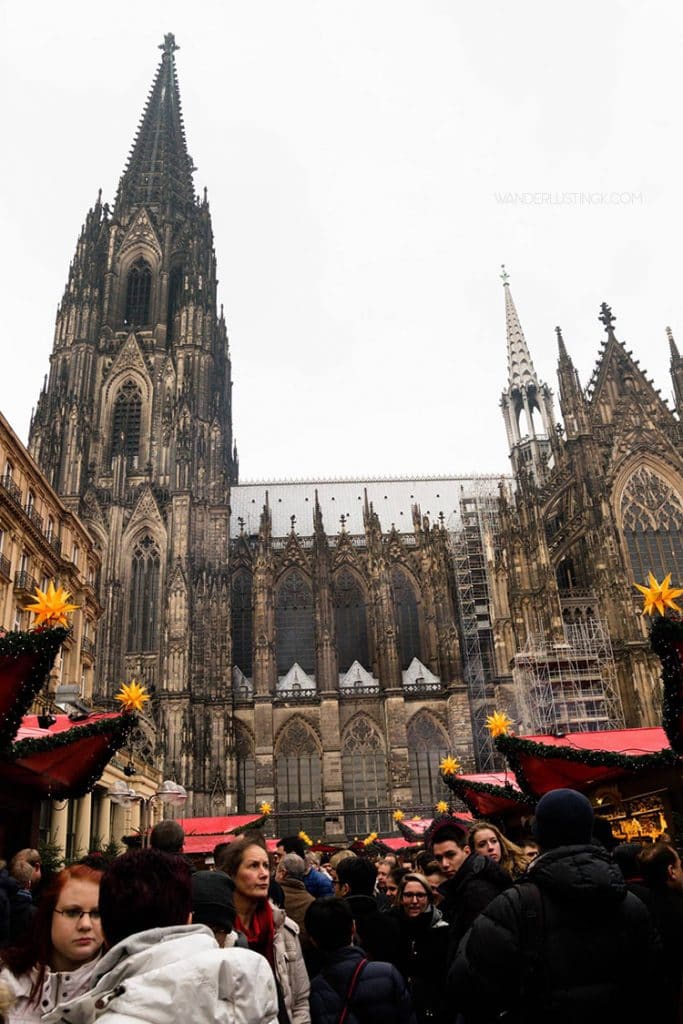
(169, 792)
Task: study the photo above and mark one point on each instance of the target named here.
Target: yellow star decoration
(132, 696)
(442, 807)
(450, 766)
(498, 724)
(265, 807)
(659, 596)
(369, 840)
(306, 838)
(50, 606)
(398, 815)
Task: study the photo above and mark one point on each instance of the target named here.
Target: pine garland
(666, 640)
(506, 791)
(252, 826)
(25, 662)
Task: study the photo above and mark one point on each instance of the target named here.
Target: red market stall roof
(490, 793)
(66, 759)
(420, 829)
(578, 760)
(220, 826)
(25, 662)
(394, 844)
(205, 843)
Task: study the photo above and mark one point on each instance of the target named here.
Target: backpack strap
(351, 989)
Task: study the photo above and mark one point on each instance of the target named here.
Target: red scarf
(261, 933)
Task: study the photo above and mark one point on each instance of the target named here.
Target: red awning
(489, 793)
(218, 826)
(205, 844)
(66, 759)
(25, 662)
(579, 760)
(395, 844)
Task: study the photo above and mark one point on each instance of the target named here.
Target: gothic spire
(520, 368)
(675, 354)
(159, 168)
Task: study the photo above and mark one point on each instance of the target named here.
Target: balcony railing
(351, 693)
(416, 688)
(56, 544)
(8, 485)
(88, 646)
(35, 518)
(5, 567)
(301, 696)
(23, 580)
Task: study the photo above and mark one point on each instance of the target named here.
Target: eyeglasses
(415, 896)
(74, 914)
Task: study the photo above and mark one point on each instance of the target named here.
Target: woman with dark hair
(56, 960)
(267, 928)
(423, 949)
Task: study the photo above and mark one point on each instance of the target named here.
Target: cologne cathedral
(323, 644)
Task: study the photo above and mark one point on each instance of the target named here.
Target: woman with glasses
(55, 961)
(423, 947)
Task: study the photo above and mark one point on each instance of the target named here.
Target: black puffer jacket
(380, 997)
(587, 955)
(475, 884)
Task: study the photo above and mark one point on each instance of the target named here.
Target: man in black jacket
(570, 943)
(472, 881)
(373, 992)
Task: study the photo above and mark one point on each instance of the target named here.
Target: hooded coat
(585, 953)
(468, 892)
(380, 995)
(57, 987)
(172, 974)
(424, 943)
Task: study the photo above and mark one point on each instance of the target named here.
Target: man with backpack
(350, 989)
(568, 943)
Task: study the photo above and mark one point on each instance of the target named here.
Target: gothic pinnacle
(521, 372)
(607, 318)
(675, 354)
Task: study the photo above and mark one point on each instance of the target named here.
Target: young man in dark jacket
(570, 943)
(472, 881)
(372, 991)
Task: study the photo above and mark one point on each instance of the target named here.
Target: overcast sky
(370, 164)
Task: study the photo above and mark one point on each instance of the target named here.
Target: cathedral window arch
(652, 525)
(245, 770)
(364, 775)
(126, 423)
(144, 595)
(138, 294)
(427, 746)
(298, 778)
(175, 290)
(407, 616)
(351, 621)
(242, 618)
(294, 624)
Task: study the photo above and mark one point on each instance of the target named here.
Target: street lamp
(169, 792)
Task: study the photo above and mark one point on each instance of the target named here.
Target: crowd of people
(471, 930)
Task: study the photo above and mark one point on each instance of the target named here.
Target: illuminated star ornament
(265, 807)
(659, 596)
(132, 696)
(450, 766)
(442, 807)
(369, 840)
(306, 838)
(51, 606)
(498, 724)
(398, 815)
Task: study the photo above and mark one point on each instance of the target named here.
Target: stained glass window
(143, 611)
(652, 516)
(351, 621)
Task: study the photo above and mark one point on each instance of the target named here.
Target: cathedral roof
(392, 499)
(159, 167)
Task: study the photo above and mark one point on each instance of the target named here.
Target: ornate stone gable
(141, 232)
(129, 357)
(146, 512)
(91, 510)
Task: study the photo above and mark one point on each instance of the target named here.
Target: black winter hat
(212, 900)
(563, 818)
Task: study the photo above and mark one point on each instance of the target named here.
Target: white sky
(353, 153)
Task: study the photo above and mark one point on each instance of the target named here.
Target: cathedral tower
(133, 428)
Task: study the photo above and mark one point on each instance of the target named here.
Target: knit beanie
(563, 818)
(212, 902)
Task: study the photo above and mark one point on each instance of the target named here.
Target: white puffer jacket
(175, 974)
(58, 986)
(290, 968)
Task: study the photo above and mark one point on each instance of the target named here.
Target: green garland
(117, 727)
(41, 646)
(666, 638)
(516, 747)
(253, 826)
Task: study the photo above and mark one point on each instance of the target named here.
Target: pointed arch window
(143, 608)
(294, 624)
(245, 771)
(298, 780)
(351, 620)
(427, 746)
(364, 775)
(652, 517)
(242, 618)
(407, 617)
(175, 288)
(138, 293)
(126, 422)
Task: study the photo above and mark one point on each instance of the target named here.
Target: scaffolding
(471, 542)
(569, 686)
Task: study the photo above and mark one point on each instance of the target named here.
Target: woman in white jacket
(57, 958)
(268, 930)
